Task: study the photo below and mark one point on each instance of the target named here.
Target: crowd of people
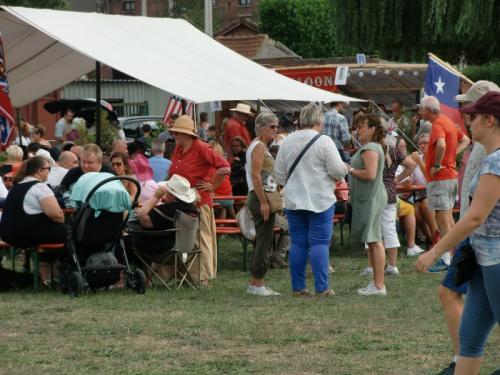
(296, 174)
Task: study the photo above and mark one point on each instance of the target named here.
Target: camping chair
(183, 253)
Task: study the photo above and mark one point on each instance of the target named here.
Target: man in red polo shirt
(445, 143)
(236, 126)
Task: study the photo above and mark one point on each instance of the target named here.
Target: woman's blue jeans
(481, 310)
(310, 234)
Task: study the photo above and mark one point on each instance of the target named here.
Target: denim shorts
(448, 280)
(442, 194)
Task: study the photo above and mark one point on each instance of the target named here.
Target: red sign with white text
(322, 78)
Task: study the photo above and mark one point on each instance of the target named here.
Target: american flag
(174, 106)
(6, 112)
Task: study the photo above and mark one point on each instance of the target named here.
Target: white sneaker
(368, 271)
(372, 290)
(391, 270)
(370, 285)
(261, 291)
(414, 251)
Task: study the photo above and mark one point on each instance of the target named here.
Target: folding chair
(185, 251)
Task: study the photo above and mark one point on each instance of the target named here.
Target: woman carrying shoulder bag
(308, 165)
(259, 168)
(482, 223)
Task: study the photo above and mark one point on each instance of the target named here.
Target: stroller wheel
(75, 283)
(137, 281)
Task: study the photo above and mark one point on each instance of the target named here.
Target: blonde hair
(14, 152)
(217, 147)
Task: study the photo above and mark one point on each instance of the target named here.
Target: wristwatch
(437, 166)
(351, 169)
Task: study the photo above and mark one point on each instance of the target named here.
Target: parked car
(132, 126)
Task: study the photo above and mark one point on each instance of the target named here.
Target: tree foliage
(50, 4)
(303, 26)
(405, 30)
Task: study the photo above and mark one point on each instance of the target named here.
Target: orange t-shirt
(443, 127)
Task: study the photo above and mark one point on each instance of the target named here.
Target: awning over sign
(46, 49)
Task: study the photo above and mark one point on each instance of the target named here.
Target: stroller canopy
(112, 196)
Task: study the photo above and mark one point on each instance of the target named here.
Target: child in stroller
(102, 210)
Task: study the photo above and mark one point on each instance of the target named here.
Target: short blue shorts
(448, 280)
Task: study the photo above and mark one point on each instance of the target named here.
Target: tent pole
(98, 103)
(183, 104)
(19, 132)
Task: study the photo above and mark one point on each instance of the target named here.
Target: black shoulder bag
(309, 144)
(465, 265)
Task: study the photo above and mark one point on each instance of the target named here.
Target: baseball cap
(488, 104)
(477, 90)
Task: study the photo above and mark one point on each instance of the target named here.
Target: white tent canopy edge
(46, 49)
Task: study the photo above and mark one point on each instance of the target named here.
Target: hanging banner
(341, 75)
(322, 78)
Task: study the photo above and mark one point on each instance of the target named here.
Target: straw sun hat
(183, 124)
(243, 108)
(180, 188)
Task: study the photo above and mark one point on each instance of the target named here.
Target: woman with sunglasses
(31, 215)
(194, 160)
(120, 165)
(482, 224)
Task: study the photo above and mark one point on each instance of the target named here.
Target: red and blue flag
(7, 121)
(443, 83)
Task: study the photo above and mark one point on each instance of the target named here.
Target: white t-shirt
(56, 175)
(3, 190)
(62, 127)
(35, 194)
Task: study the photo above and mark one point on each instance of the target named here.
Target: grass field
(224, 331)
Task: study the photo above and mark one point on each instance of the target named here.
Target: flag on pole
(443, 83)
(174, 106)
(7, 121)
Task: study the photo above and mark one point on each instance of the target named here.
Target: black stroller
(95, 244)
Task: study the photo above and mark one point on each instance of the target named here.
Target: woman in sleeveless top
(259, 168)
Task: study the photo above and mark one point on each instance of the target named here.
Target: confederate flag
(6, 113)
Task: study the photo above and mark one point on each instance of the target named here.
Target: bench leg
(341, 233)
(36, 269)
(244, 244)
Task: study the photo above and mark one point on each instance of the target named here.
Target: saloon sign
(323, 78)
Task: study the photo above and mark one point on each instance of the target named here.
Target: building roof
(381, 82)
(244, 37)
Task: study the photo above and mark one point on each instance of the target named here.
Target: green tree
(302, 25)
(50, 4)
(405, 30)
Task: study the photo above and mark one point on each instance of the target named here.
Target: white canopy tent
(46, 49)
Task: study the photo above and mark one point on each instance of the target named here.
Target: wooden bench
(231, 227)
(34, 254)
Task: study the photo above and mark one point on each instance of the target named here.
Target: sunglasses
(47, 168)
(472, 116)
(273, 127)
(117, 164)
